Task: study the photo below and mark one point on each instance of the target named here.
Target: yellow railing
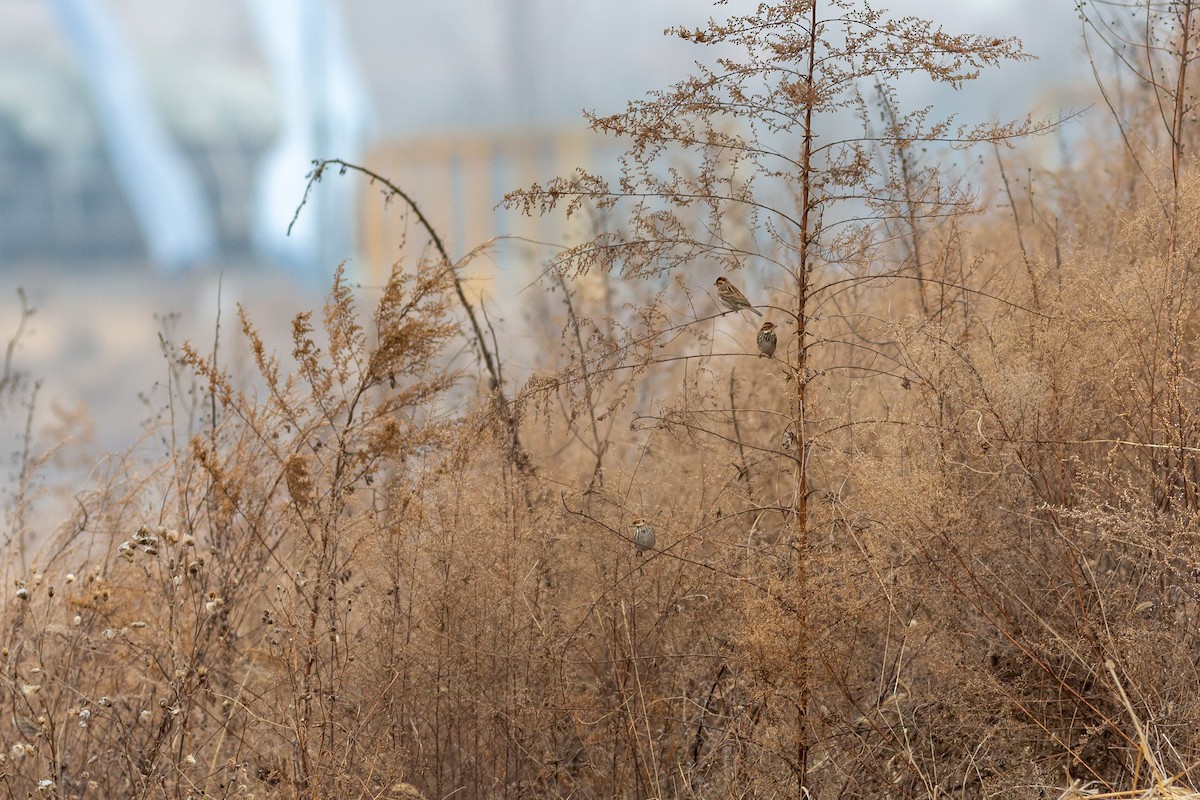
(458, 180)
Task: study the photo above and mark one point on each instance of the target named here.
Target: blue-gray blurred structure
(324, 113)
(165, 197)
(236, 97)
(321, 110)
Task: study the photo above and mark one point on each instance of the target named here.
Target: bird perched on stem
(731, 297)
(767, 340)
(643, 536)
(26, 726)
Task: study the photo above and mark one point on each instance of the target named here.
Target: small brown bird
(26, 726)
(643, 536)
(767, 340)
(731, 297)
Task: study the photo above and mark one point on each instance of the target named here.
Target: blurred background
(153, 155)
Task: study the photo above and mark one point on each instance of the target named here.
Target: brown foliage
(943, 542)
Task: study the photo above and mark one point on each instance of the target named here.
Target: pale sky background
(433, 64)
(428, 66)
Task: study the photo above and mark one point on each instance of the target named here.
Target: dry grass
(336, 588)
(951, 551)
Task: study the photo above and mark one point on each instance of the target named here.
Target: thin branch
(743, 468)
(491, 361)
